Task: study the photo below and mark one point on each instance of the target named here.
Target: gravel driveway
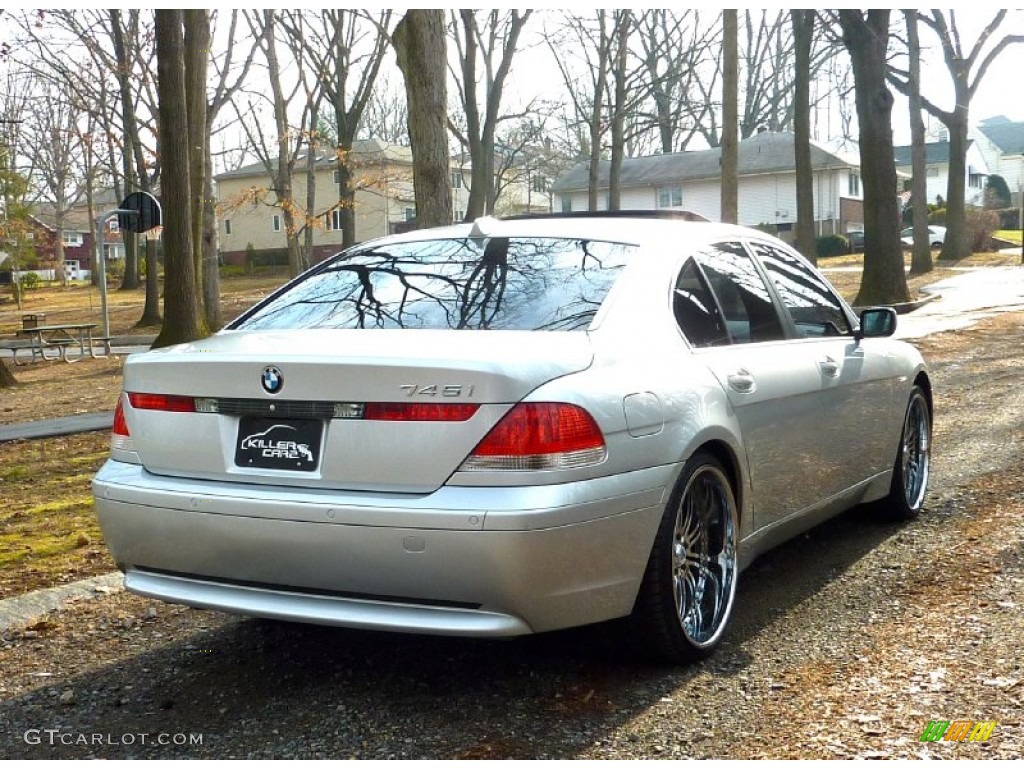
(846, 642)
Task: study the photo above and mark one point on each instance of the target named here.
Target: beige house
(249, 213)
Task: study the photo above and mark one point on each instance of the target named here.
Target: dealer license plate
(278, 443)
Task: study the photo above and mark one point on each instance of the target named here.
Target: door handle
(741, 382)
(829, 367)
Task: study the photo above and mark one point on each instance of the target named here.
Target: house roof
(934, 152)
(765, 152)
(363, 151)
(1009, 137)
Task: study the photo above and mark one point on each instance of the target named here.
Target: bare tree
(492, 45)
(674, 46)
(419, 41)
(866, 37)
(966, 71)
(386, 117)
(181, 307)
(54, 157)
(346, 49)
(280, 158)
(803, 34)
(197, 54)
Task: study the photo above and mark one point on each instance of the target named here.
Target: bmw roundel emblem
(272, 379)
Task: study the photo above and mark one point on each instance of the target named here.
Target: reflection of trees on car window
(500, 283)
(814, 306)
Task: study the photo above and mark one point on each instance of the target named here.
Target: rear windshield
(498, 283)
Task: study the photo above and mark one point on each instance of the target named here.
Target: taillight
(418, 411)
(176, 403)
(540, 436)
(121, 437)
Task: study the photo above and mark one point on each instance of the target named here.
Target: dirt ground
(846, 642)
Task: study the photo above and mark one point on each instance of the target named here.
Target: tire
(689, 587)
(913, 460)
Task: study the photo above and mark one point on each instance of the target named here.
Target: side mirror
(876, 322)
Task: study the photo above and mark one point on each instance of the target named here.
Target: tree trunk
(623, 22)
(6, 375)
(803, 32)
(730, 106)
(866, 38)
(597, 113)
(921, 260)
(197, 54)
(181, 321)
(211, 267)
(955, 245)
(130, 279)
(420, 46)
(151, 311)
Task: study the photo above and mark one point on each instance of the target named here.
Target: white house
(767, 185)
(1001, 142)
(936, 156)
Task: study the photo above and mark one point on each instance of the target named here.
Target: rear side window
(743, 297)
(696, 310)
(551, 284)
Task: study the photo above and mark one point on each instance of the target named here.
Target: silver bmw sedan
(511, 427)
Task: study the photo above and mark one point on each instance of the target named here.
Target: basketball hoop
(153, 234)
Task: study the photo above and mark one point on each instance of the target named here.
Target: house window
(853, 184)
(456, 179)
(337, 176)
(974, 180)
(275, 223)
(332, 220)
(410, 214)
(566, 204)
(932, 171)
(459, 216)
(113, 226)
(71, 238)
(670, 197)
(539, 184)
(227, 226)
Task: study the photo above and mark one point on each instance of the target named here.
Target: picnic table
(51, 342)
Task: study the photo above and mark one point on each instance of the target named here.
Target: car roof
(634, 228)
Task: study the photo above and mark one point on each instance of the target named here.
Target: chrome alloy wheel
(915, 451)
(704, 556)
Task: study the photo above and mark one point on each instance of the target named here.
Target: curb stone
(22, 610)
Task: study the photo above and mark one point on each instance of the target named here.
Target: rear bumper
(459, 561)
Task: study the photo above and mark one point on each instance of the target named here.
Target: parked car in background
(514, 426)
(936, 236)
(856, 240)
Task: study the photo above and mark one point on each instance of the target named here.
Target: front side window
(552, 284)
(815, 308)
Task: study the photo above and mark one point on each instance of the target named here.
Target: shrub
(30, 281)
(832, 245)
(937, 216)
(981, 225)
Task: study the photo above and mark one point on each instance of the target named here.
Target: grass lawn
(1010, 235)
